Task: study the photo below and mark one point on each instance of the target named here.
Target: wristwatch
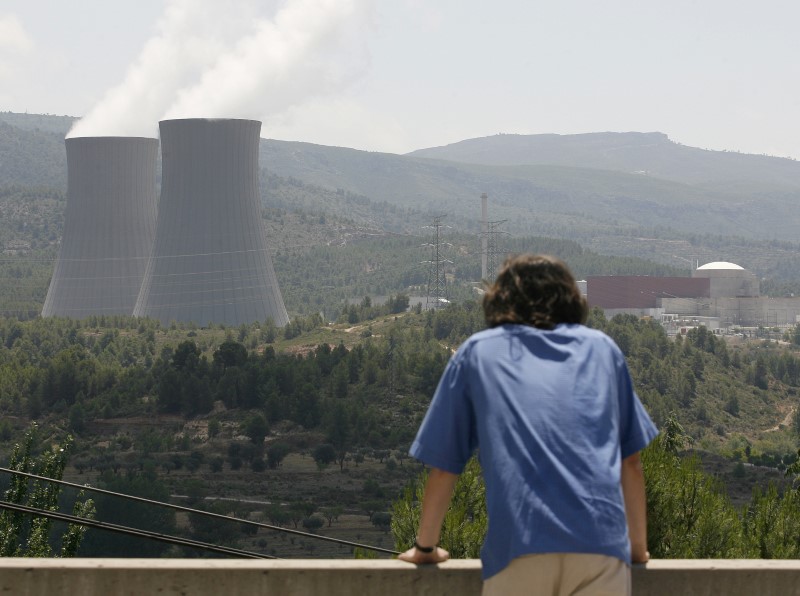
(423, 549)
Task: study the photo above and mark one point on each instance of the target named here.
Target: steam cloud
(212, 63)
(13, 36)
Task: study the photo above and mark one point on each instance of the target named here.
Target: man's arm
(635, 507)
(436, 500)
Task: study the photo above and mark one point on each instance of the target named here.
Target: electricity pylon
(495, 255)
(437, 281)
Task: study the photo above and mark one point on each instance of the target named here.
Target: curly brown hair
(536, 290)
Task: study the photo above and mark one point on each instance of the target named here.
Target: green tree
(213, 529)
(332, 513)
(144, 483)
(772, 524)
(230, 353)
(339, 380)
(464, 524)
(77, 418)
(256, 428)
(313, 523)
(340, 431)
(382, 520)
(21, 536)
(732, 405)
(398, 304)
(760, 373)
(186, 356)
(214, 426)
(277, 515)
(324, 455)
(688, 514)
(276, 454)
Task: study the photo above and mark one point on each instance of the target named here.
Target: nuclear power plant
(718, 295)
(210, 261)
(109, 226)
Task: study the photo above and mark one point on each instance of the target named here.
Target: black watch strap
(423, 549)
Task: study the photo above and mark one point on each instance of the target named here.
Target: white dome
(719, 265)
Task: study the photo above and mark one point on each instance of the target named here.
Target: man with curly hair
(550, 406)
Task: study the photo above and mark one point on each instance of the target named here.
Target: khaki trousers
(561, 574)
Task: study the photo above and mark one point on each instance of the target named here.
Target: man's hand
(438, 490)
(639, 555)
(416, 556)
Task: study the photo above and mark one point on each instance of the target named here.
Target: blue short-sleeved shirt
(554, 413)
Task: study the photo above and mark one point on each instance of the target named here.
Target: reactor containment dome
(210, 261)
(729, 280)
(109, 225)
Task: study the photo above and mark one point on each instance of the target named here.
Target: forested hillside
(314, 420)
(541, 198)
(32, 158)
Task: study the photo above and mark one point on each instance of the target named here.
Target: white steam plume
(186, 42)
(213, 59)
(287, 60)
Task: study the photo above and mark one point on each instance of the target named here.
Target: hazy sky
(398, 75)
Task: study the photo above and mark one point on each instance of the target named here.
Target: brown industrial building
(718, 295)
(642, 292)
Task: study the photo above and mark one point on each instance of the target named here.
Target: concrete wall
(115, 577)
(730, 282)
(746, 312)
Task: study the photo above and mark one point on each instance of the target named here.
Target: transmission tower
(437, 282)
(495, 254)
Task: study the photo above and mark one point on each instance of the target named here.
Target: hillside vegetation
(316, 419)
(630, 194)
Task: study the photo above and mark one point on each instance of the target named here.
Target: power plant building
(641, 292)
(728, 280)
(109, 226)
(210, 261)
(719, 295)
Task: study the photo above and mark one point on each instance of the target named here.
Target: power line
(93, 523)
(199, 511)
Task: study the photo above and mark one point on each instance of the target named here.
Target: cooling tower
(109, 226)
(210, 261)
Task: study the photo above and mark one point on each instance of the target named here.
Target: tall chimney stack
(484, 236)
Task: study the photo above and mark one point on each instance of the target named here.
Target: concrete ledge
(118, 577)
(701, 577)
(113, 577)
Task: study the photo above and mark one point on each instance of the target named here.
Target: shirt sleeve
(447, 437)
(636, 427)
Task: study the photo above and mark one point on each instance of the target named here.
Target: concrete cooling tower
(210, 261)
(109, 226)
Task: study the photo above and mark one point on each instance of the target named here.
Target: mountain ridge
(651, 154)
(743, 205)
